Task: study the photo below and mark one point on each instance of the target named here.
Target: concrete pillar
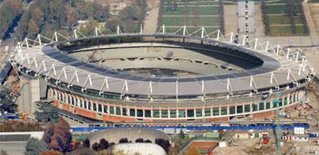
(30, 93)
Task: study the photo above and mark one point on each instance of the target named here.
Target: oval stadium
(165, 77)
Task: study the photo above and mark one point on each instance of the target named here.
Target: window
(172, 113)
(139, 113)
(232, 110)
(215, 111)
(105, 109)
(81, 103)
(147, 113)
(261, 106)
(255, 107)
(94, 107)
(240, 109)
(69, 101)
(190, 113)
(268, 105)
(164, 113)
(247, 108)
(118, 111)
(286, 100)
(111, 110)
(223, 111)
(292, 98)
(207, 112)
(277, 102)
(90, 106)
(280, 102)
(132, 112)
(99, 108)
(77, 102)
(199, 113)
(124, 111)
(72, 100)
(181, 113)
(156, 114)
(85, 105)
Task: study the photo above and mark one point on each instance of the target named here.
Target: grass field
(279, 21)
(193, 14)
(286, 31)
(181, 10)
(191, 2)
(283, 20)
(177, 21)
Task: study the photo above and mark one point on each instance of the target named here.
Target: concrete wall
(30, 93)
(34, 134)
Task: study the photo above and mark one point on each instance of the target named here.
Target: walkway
(151, 20)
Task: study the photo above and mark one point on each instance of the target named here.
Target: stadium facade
(208, 76)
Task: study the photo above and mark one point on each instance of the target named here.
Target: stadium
(176, 77)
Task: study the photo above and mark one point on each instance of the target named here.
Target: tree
(95, 146)
(104, 144)
(123, 140)
(147, 141)
(139, 140)
(58, 136)
(35, 147)
(6, 102)
(181, 134)
(46, 112)
(9, 10)
(86, 143)
(163, 143)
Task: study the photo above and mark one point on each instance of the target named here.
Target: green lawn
(190, 21)
(284, 19)
(206, 7)
(192, 2)
(191, 11)
(275, 9)
(176, 21)
(300, 30)
(279, 19)
(280, 31)
(286, 31)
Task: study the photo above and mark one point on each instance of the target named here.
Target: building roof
(280, 68)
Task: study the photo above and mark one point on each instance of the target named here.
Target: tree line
(47, 16)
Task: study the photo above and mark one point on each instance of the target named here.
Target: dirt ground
(245, 147)
(259, 24)
(313, 56)
(230, 18)
(314, 10)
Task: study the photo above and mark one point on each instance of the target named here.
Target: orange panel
(65, 107)
(55, 103)
(85, 113)
(110, 118)
(264, 114)
(218, 119)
